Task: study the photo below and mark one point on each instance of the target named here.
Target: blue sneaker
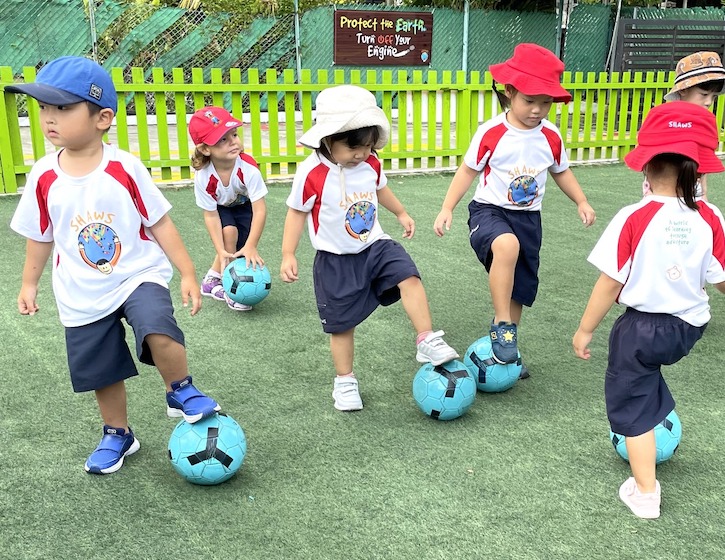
(186, 400)
(115, 445)
(503, 342)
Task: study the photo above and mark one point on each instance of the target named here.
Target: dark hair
(503, 99)
(94, 110)
(365, 136)
(714, 86)
(687, 174)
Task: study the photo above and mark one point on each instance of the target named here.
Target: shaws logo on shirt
(677, 124)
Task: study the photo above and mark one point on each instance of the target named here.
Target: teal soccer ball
(668, 435)
(208, 452)
(244, 284)
(491, 377)
(444, 392)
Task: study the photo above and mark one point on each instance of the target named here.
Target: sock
(351, 374)
(213, 274)
(421, 336)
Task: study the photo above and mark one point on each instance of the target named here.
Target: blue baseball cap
(71, 79)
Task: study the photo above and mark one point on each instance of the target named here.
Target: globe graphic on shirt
(99, 243)
(523, 190)
(360, 219)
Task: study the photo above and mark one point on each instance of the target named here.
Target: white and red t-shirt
(246, 185)
(664, 253)
(100, 227)
(514, 163)
(342, 203)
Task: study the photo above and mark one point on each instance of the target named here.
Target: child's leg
(505, 250)
(642, 451)
(430, 345)
(345, 391)
(112, 405)
(415, 303)
(342, 348)
(230, 235)
(169, 358)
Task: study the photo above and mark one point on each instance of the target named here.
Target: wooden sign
(378, 38)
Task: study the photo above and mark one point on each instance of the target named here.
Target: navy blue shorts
(98, 355)
(640, 344)
(487, 221)
(240, 217)
(349, 288)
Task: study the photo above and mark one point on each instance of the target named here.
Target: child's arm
(294, 224)
(214, 226)
(604, 295)
(720, 287)
(459, 186)
(249, 251)
(571, 188)
(37, 254)
(168, 238)
(390, 202)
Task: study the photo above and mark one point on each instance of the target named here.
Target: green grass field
(526, 474)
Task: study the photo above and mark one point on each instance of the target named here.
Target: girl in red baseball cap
(512, 154)
(230, 190)
(655, 257)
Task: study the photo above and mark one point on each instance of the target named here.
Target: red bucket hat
(208, 125)
(678, 127)
(532, 70)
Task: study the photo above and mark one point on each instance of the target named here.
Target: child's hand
(581, 344)
(190, 289)
(225, 258)
(586, 213)
(444, 220)
(288, 269)
(408, 225)
(251, 255)
(26, 300)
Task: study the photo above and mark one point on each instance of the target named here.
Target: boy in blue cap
(97, 209)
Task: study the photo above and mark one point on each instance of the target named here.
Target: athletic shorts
(349, 288)
(487, 221)
(240, 217)
(640, 344)
(98, 355)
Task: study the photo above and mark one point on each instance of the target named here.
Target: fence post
(11, 146)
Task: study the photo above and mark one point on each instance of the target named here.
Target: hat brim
(528, 84)
(218, 133)
(371, 116)
(674, 93)
(45, 93)
(707, 161)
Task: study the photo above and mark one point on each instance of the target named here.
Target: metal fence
(134, 34)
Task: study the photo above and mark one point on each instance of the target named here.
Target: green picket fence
(433, 116)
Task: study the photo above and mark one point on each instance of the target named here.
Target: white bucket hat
(344, 108)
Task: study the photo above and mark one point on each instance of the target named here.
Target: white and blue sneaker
(115, 445)
(186, 400)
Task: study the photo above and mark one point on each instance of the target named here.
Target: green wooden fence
(433, 116)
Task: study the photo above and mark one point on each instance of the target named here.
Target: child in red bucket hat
(655, 257)
(512, 154)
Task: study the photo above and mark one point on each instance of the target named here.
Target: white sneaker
(434, 349)
(236, 306)
(646, 506)
(346, 394)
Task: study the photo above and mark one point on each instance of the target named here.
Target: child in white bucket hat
(358, 267)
